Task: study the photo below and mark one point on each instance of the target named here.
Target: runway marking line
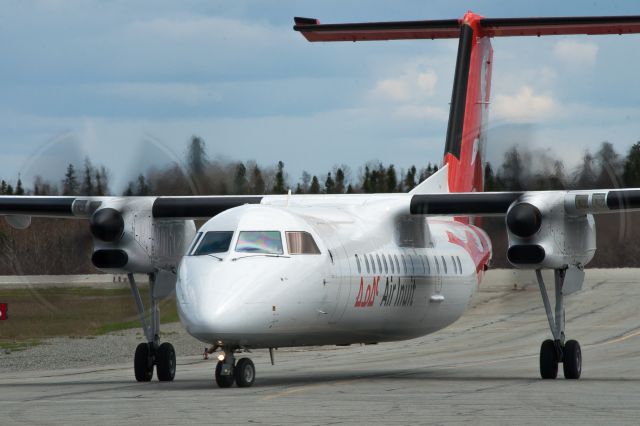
(308, 387)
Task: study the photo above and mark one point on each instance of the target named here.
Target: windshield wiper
(213, 255)
(260, 254)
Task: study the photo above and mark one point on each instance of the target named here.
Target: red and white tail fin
(466, 132)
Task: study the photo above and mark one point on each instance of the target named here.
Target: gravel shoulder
(112, 348)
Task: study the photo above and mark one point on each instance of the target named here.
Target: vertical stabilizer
(466, 132)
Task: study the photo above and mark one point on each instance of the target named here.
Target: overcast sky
(128, 83)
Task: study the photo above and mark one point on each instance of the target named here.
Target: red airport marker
(3, 311)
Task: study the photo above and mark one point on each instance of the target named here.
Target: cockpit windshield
(214, 242)
(263, 242)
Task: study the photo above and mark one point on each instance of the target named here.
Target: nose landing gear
(228, 371)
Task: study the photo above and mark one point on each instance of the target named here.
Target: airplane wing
(191, 207)
(497, 203)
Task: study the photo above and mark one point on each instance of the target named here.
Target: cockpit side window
(213, 242)
(195, 242)
(300, 242)
(262, 242)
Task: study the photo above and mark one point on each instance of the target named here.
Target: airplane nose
(209, 302)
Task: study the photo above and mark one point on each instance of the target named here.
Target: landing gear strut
(152, 353)
(228, 371)
(557, 350)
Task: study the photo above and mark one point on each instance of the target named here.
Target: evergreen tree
(339, 183)
(306, 180)
(557, 179)
(19, 189)
(87, 180)
(3, 187)
(142, 187)
(314, 188)
(299, 189)
(512, 170)
(329, 185)
(489, 178)
(366, 180)
(410, 179)
(9, 190)
(609, 165)
(70, 183)
(240, 183)
(631, 173)
(280, 186)
(129, 191)
(391, 179)
(99, 191)
(585, 176)
(257, 182)
(350, 189)
(197, 163)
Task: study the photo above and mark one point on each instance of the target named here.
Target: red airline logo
(366, 295)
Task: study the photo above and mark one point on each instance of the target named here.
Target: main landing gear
(152, 353)
(557, 350)
(228, 371)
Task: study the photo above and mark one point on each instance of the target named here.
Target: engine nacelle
(543, 235)
(127, 238)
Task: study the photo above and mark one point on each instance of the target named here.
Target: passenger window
(384, 261)
(424, 270)
(263, 242)
(393, 271)
(215, 242)
(404, 264)
(366, 263)
(373, 265)
(437, 265)
(426, 261)
(397, 263)
(358, 263)
(411, 265)
(300, 242)
(444, 264)
(455, 265)
(379, 264)
(459, 264)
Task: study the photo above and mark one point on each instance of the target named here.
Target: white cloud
(522, 106)
(413, 85)
(392, 89)
(576, 53)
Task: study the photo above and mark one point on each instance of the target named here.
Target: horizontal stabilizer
(450, 28)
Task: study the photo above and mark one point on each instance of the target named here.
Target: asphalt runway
(483, 370)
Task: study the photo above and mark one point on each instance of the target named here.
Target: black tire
(572, 364)
(245, 373)
(166, 362)
(548, 360)
(143, 363)
(223, 381)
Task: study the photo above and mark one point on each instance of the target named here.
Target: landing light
(221, 357)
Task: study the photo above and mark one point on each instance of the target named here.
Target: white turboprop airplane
(294, 270)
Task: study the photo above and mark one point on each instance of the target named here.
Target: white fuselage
(372, 281)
